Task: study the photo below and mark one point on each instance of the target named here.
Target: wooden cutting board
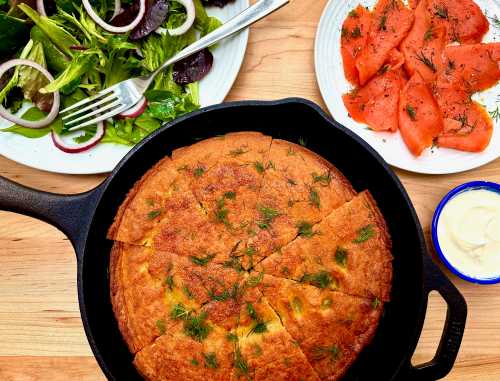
(41, 334)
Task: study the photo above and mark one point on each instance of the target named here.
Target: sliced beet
(193, 68)
(156, 14)
(218, 3)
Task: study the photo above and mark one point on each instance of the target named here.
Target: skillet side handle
(454, 327)
(69, 213)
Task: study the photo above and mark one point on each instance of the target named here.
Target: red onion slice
(72, 147)
(54, 111)
(111, 28)
(135, 110)
(191, 14)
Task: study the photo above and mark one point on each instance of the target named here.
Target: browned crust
(115, 226)
(117, 295)
(387, 244)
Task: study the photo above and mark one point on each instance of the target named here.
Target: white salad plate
(332, 83)
(42, 154)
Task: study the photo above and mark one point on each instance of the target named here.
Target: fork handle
(252, 14)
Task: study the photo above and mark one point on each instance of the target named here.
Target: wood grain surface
(41, 334)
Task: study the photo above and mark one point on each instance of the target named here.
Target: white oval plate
(332, 83)
(42, 154)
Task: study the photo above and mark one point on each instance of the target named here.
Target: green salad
(84, 54)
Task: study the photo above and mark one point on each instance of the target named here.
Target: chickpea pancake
(244, 257)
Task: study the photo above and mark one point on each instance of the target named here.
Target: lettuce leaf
(80, 65)
(59, 36)
(33, 114)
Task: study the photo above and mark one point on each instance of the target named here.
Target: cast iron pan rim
(101, 189)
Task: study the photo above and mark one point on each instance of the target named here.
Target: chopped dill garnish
(251, 311)
(232, 337)
(255, 280)
(259, 167)
(230, 195)
(344, 32)
(258, 328)
(195, 362)
(376, 303)
(198, 172)
(160, 324)
(411, 112)
(169, 281)
(257, 350)
(426, 61)
(270, 165)
(285, 270)
(237, 152)
(314, 198)
(324, 179)
(182, 168)
(496, 21)
(495, 114)
(290, 152)
(341, 256)
(234, 263)
(240, 363)
(429, 34)
(291, 182)
(268, 215)
(353, 13)
(153, 214)
(202, 261)
(231, 293)
(302, 141)
(211, 360)
(221, 212)
(187, 292)
(196, 327)
(384, 69)
(364, 234)
(305, 229)
(441, 11)
(150, 202)
(356, 32)
(179, 312)
(383, 23)
(322, 352)
(321, 279)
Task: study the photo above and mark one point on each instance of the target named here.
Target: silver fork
(124, 95)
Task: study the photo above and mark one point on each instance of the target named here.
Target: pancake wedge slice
(151, 290)
(264, 350)
(330, 328)
(177, 356)
(348, 251)
(299, 188)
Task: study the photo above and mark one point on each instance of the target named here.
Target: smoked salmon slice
(353, 39)
(420, 120)
(467, 127)
(464, 20)
(423, 47)
(391, 21)
(471, 68)
(376, 104)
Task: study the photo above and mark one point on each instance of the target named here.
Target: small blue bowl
(494, 187)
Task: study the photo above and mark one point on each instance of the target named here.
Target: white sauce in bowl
(469, 233)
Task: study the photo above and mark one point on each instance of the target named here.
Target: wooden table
(41, 334)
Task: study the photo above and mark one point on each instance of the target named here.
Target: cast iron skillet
(85, 219)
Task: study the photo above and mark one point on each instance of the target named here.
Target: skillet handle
(71, 214)
(454, 327)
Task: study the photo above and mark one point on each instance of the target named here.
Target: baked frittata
(243, 257)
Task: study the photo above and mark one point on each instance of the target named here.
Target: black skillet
(85, 218)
